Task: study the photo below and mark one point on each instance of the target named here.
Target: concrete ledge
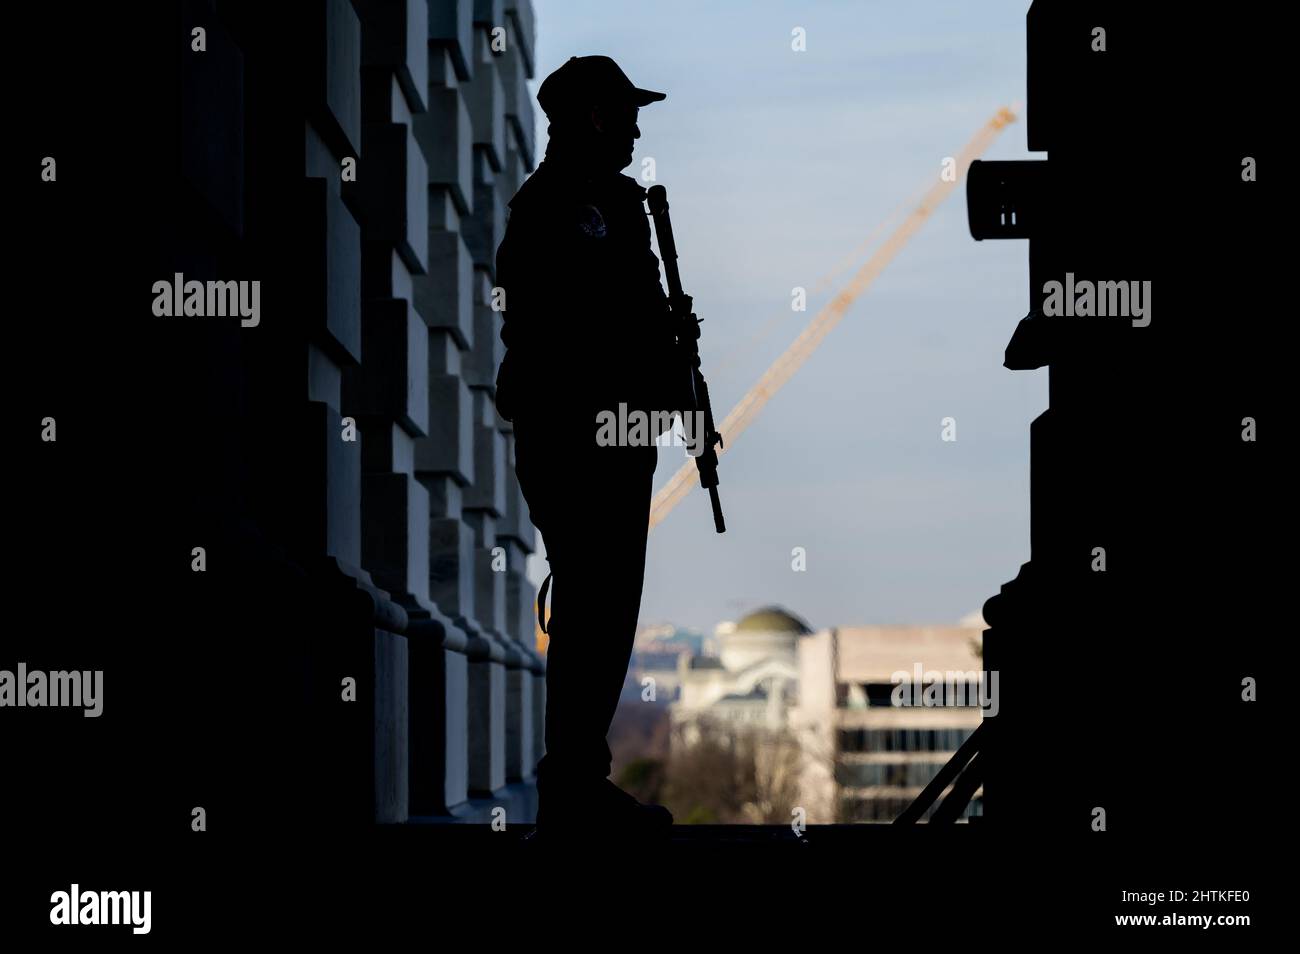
(519, 799)
(465, 829)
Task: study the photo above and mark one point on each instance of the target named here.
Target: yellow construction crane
(803, 346)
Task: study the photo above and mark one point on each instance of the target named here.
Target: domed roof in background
(772, 619)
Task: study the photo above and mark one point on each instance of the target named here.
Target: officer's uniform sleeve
(530, 270)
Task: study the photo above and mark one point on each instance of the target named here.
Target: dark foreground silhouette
(587, 329)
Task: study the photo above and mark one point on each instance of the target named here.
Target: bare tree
(721, 774)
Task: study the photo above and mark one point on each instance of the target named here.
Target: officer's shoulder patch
(591, 222)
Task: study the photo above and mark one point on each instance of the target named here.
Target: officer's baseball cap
(587, 80)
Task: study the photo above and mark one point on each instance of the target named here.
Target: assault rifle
(688, 335)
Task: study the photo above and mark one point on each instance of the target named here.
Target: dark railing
(970, 780)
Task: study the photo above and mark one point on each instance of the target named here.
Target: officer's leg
(549, 473)
(592, 508)
(599, 572)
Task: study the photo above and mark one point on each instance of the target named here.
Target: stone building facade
(358, 158)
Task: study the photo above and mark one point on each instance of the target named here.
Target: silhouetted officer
(586, 328)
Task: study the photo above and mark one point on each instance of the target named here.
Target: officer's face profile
(616, 130)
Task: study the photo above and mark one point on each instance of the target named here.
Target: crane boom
(784, 367)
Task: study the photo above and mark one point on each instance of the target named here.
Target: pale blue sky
(778, 164)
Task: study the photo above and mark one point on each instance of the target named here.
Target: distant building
(667, 638)
(835, 693)
(661, 669)
(751, 683)
(866, 758)
(656, 656)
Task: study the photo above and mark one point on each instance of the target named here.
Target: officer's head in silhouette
(592, 107)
